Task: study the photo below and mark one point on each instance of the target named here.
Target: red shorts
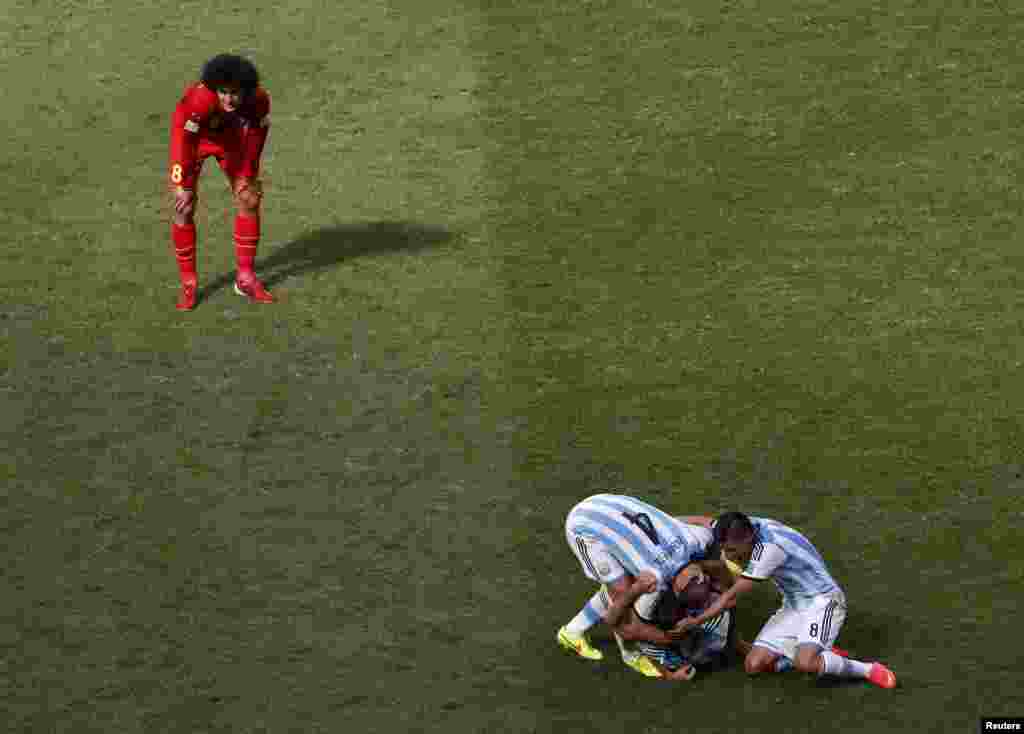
(227, 151)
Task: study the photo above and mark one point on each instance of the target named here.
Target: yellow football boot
(642, 665)
(579, 645)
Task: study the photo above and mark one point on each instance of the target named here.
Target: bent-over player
(616, 538)
(225, 115)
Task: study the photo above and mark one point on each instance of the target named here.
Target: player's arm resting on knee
(624, 594)
(190, 114)
(623, 618)
(254, 135)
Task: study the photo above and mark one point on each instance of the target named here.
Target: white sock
(628, 655)
(590, 615)
(843, 667)
(857, 669)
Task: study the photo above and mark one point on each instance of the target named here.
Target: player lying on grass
(801, 634)
(616, 538)
(704, 648)
(225, 115)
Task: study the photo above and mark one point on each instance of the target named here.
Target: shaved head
(735, 535)
(733, 527)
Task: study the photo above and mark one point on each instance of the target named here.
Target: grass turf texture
(754, 255)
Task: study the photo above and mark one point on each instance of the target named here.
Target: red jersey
(198, 118)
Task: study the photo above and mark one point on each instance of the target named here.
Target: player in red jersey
(225, 115)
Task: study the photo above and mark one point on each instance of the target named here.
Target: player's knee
(807, 662)
(805, 667)
(248, 209)
(248, 196)
(756, 663)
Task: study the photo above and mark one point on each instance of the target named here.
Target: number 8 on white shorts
(818, 624)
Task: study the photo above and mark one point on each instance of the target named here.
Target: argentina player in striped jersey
(636, 552)
(801, 634)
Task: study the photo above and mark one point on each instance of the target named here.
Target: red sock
(184, 239)
(247, 237)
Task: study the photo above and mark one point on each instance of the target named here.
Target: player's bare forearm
(621, 616)
(634, 630)
(702, 520)
(725, 601)
(685, 672)
(619, 593)
(742, 647)
(624, 594)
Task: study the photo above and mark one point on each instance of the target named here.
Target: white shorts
(816, 624)
(598, 564)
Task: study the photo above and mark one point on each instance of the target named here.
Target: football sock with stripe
(590, 615)
(832, 664)
(184, 239)
(247, 238)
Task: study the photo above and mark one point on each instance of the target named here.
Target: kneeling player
(802, 633)
(225, 115)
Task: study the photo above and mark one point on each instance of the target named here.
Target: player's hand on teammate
(686, 672)
(645, 583)
(683, 627)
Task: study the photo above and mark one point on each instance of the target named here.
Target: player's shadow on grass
(329, 246)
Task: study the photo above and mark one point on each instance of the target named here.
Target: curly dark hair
(229, 70)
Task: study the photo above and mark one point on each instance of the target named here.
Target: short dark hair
(733, 525)
(229, 70)
(668, 611)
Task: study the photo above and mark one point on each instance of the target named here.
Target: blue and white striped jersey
(640, 536)
(790, 560)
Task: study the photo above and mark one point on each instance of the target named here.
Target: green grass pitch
(736, 254)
